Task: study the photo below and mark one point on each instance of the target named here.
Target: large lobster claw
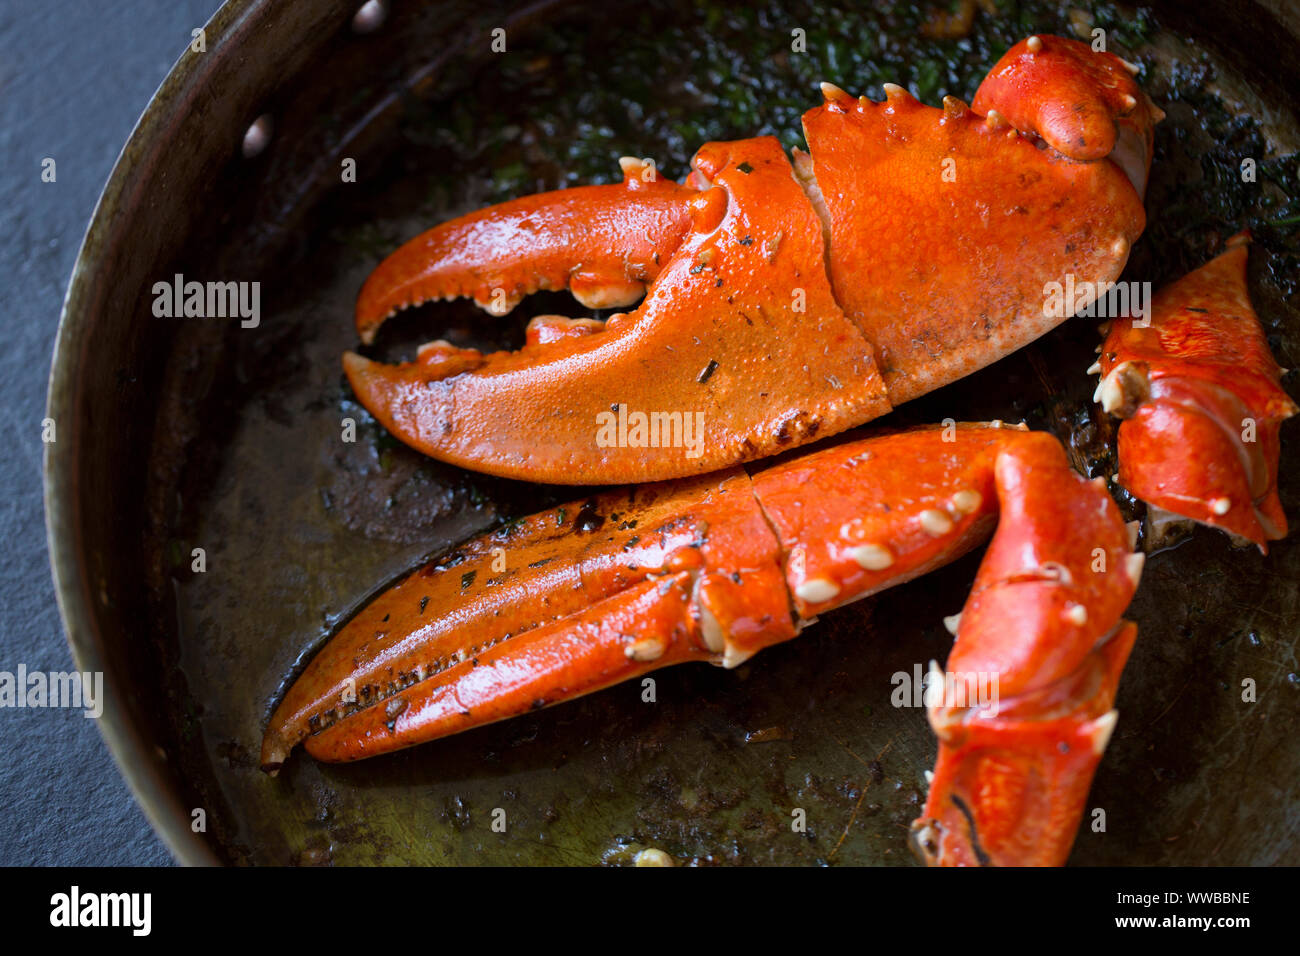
(716, 568)
(910, 247)
(1202, 402)
(741, 323)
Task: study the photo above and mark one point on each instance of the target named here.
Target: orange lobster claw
(716, 568)
(602, 243)
(719, 335)
(911, 247)
(1202, 402)
(592, 593)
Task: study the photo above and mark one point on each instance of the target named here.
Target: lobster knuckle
(1084, 104)
(1010, 782)
(1033, 623)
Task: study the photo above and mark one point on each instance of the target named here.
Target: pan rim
(140, 768)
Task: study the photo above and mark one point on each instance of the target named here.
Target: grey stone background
(74, 77)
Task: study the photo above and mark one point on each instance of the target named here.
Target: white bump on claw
(734, 657)
(893, 91)
(1220, 506)
(952, 622)
(935, 522)
(1130, 103)
(1119, 248)
(817, 590)
(872, 557)
(934, 678)
(927, 839)
(1111, 393)
(1124, 388)
(1131, 67)
(1077, 615)
(967, 501)
(1133, 564)
(1033, 44)
(711, 630)
(929, 777)
(833, 93)
(1094, 368)
(646, 649)
(1101, 729)
(1057, 572)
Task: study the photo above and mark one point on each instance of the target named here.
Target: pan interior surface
(265, 527)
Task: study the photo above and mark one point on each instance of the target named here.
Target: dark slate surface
(74, 77)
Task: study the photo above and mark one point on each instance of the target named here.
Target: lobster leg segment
(682, 385)
(603, 243)
(861, 517)
(1010, 784)
(1202, 402)
(947, 228)
(1042, 628)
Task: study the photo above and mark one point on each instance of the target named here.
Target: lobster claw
(716, 568)
(743, 303)
(560, 604)
(602, 243)
(1202, 402)
(911, 246)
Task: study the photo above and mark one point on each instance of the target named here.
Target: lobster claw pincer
(743, 304)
